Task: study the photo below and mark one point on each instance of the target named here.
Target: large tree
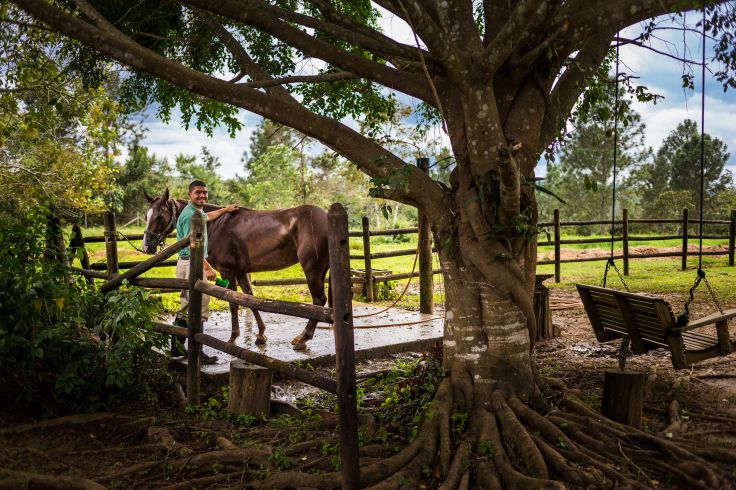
(501, 78)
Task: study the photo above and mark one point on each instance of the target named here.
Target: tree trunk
(486, 335)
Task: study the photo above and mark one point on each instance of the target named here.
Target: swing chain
(712, 294)
(611, 263)
(685, 315)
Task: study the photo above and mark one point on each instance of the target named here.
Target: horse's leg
(247, 289)
(235, 327)
(316, 283)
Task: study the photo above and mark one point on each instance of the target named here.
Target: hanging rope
(685, 315)
(610, 263)
(401, 296)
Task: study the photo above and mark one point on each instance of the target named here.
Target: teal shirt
(183, 225)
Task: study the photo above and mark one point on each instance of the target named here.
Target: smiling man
(197, 199)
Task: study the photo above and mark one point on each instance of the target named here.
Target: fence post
(685, 223)
(426, 287)
(342, 314)
(626, 241)
(367, 254)
(111, 244)
(557, 244)
(732, 238)
(76, 244)
(196, 270)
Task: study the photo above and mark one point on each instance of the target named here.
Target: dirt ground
(136, 447)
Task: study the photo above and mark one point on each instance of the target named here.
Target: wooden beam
(144, 266)
(342, 304)
(301, 310)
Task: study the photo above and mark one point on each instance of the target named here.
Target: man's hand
(219, 212)
(209, 273)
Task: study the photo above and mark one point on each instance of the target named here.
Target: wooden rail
(370, 278)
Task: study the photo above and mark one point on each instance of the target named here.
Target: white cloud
(169, 140)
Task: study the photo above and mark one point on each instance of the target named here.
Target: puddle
(379, 336)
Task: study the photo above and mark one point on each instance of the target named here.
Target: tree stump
(623, 396)
(545, 328)
(250, 389)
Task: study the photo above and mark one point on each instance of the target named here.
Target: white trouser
(182, 272)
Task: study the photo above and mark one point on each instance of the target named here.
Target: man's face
(198, 195)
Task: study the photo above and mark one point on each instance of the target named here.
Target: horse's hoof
(297, 340)
(261, 340)
(300, 346)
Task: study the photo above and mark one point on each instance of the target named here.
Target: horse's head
(160, 221)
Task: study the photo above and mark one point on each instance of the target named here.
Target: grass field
(646, 275)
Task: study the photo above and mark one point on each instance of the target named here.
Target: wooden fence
(367, 278)
(340, 315)
(685, 224)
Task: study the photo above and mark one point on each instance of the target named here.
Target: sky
(659, 73)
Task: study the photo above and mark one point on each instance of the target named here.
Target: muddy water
(379, 335)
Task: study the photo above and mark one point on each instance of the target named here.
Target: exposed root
(78, 419)
(224, 443)
(514, 432)
(164, 437)
(458, 467)
(24, 479)
(487, 476)
(508, 443)
(233, 477)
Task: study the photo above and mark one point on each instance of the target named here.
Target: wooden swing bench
(649, 323)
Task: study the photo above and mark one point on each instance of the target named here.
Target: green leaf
(544, 190)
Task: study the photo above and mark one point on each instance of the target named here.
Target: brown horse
(247, 241)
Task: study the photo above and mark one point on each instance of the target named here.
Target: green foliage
(140, 172)
(459, 422)
(280, 459)
(63, 346)
(385, 290)
(406, 390)
(57, 135)
(273, 178)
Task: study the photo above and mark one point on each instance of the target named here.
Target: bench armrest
(707, 320)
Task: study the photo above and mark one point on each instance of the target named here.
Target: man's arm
(219, 212)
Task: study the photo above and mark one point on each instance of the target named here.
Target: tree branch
(503, 44)
(424, 26)
(327, 77)
(377, 42)
(245, 62)
(587, 17)
(256, 16)
(571, 84)
(623, 41)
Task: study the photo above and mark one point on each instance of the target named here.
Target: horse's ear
(166, 195)
(148, 198)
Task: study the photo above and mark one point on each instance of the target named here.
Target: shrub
(63, 346)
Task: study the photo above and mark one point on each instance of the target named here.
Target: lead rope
(684, 317)
(401, 296)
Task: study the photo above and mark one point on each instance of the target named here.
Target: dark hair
(196, 183)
